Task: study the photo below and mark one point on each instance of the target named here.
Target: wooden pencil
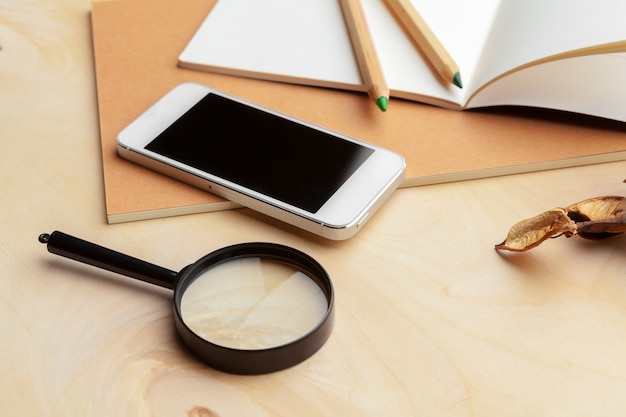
(423, 36)
(369, 64)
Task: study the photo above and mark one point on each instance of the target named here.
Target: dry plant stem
(596, 218)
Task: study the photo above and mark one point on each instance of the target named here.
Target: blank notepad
(233, 39)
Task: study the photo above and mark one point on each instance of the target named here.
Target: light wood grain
(430, 320)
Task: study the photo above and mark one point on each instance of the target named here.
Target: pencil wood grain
(426, 40)
(365, 51)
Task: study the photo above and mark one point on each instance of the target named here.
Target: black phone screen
(263, 152)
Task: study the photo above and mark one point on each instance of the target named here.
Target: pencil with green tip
(367, 58)
(426, 40)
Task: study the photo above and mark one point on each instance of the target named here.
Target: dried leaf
(531, 232)
(595, 218)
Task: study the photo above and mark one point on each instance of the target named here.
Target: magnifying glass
(250, 308)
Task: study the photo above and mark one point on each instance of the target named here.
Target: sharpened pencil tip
(382, 102)
(457, 80)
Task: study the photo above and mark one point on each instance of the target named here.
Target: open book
(553, 54)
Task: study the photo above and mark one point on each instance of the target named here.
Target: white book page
(304, 40)
(530, 30)
(557, 85)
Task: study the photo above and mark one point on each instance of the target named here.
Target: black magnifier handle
(89, 253)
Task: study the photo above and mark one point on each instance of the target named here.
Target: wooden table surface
(430, 320)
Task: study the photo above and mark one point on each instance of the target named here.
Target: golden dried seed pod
(595, 218)
(600, 217)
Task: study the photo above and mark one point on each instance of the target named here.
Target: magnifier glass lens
(253, 303)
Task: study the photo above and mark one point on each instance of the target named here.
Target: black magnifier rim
(258, 361)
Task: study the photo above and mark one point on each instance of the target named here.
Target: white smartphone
(305, 175)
